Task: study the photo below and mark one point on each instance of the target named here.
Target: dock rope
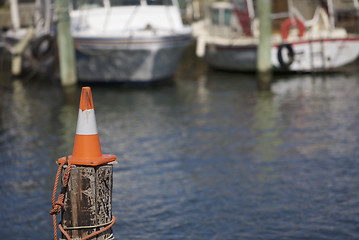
(111, 223)
(88, 227)
(58, 205)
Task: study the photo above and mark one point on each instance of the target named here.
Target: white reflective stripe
(86, 122)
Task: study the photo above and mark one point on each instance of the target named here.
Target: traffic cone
(87, 148)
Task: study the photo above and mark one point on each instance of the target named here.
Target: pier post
(18, 50)
(86, 195)
(15, 16)
(65, 44)
(264, 65)
(88, 202)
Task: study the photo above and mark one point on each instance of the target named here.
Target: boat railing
(319, 14)
(319, 21)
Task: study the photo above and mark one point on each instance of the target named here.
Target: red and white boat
(304, 38)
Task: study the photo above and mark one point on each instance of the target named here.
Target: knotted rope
(59, 204)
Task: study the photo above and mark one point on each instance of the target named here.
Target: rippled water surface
(206, 157)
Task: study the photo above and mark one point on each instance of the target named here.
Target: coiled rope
(58, 205)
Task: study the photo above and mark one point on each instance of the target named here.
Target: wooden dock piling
(88, 202)
(65, 44)
(264, 64)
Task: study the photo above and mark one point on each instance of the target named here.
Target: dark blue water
(206, 157)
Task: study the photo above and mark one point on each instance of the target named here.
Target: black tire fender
(283, 64)
(42, 47)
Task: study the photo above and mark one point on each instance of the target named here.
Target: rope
(58, 205)
(87, 227)
(92, 234)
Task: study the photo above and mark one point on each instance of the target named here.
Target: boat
(30, 43)
(135, 41)
(304, 37)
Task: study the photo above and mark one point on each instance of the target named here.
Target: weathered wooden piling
(15, 16)
(65, 43)
(264, 65)
(18, 50)
(88, 202)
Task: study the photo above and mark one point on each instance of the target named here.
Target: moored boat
(128, 40)
(304, 41)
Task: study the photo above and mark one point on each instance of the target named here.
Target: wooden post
(18, 50)
(88, 201)
(65, 44)
(15, 16)
(264, 65)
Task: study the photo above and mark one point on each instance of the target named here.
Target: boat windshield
(221, 16)
(159, 2)
(115, 3)
(215, 15)
(89, 4)
(227, 17)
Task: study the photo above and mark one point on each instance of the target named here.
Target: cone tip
(86, 99)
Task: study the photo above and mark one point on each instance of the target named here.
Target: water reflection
(266, 124)
(202, 90)
(307, 115)
(67, 117)
(26, 134)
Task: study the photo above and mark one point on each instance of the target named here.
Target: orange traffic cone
(87, 148)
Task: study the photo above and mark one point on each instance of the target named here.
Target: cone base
(105, 158)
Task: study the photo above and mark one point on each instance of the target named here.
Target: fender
(42, 47)
(285, 65)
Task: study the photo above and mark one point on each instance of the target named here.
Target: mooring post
(65, 43)
(86, 196)
(15, 15)
(264, 65)
(88, 202)
(18, 50)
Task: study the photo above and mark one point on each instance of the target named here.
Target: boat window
(87, 4)
(159, 2)
(115, 3)
(241, 5)
(227, 17)
(215, 16)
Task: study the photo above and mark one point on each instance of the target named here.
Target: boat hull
(128, 60)
(308, 56)
(231, 58)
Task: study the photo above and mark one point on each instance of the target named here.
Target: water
(206, 157)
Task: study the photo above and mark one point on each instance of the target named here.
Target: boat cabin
(238, 19)
(222, 20)
(107, 17)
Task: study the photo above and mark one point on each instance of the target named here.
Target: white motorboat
(304, 37)
(127, 40)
